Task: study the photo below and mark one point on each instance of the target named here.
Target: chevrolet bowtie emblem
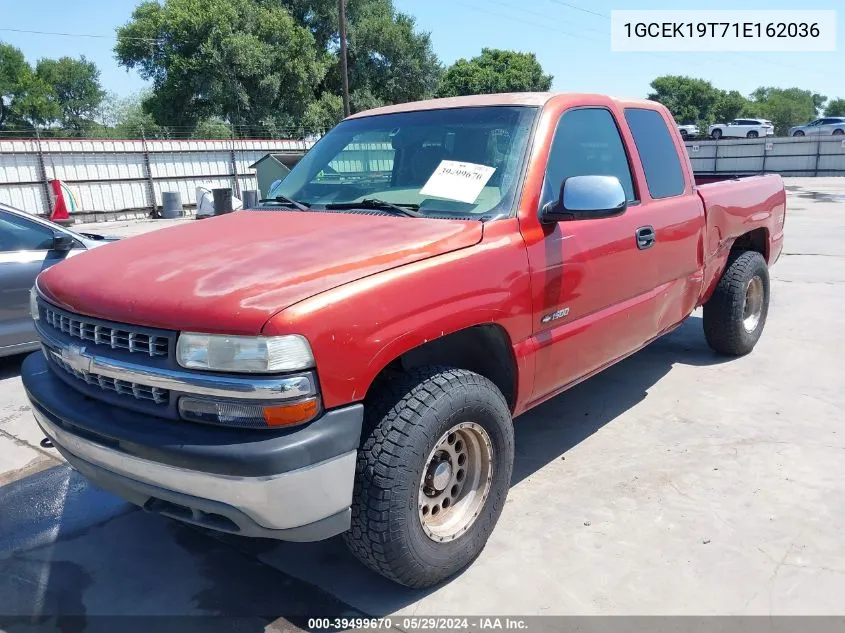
(75, 357)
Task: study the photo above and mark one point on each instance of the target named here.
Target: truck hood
(230, 274)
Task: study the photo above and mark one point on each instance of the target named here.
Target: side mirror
(586, 198)
(62, 242)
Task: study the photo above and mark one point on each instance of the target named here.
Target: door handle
(645, 237)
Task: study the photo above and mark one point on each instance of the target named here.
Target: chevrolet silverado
(349, 357)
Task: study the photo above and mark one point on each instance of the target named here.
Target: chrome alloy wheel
(456, 482)
(753, 309)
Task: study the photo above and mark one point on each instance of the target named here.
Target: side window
(661, 164)
(587, 143)
(20, 234)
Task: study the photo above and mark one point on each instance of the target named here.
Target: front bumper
(289, 485)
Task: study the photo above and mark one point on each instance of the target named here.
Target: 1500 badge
(554, 316)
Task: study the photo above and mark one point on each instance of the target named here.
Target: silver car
(828, 125)
(28, 245)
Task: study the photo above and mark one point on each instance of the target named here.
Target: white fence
(113, 175)
(789, 156)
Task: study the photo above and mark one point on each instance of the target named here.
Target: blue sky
(571, 44)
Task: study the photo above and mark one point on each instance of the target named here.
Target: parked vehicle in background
(742, 128)
(834, 125)
(688, 131)
(350, 357)
(28, 245)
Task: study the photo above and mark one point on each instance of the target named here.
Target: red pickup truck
(349, 357)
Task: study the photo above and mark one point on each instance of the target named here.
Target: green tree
(324, 113)
(243, 61)
(785, 107)
(692, 100)
(25, 99)
(76, 89)
(212, 128)
(389, 60)
(494, 71)
(728, 106)
(835, 107)
(127, 118)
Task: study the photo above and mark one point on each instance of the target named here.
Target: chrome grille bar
(121, 337)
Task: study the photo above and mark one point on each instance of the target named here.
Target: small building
(273, 167)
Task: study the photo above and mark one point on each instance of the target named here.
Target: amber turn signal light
(294, 413)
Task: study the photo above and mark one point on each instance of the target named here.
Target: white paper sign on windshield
(454, 180)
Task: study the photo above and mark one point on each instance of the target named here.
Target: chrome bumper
(279, 502)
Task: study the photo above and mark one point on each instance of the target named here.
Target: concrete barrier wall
(790, 156)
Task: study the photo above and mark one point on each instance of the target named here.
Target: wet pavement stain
(822, 196)
(257, 589)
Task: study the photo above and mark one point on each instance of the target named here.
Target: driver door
(591, 279)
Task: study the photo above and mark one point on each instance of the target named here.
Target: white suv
(742, 128)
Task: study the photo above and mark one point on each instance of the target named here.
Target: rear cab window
(658, 154)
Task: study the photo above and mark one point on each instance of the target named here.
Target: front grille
(121, 337)
(123, 387)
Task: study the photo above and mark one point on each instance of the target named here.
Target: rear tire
(752, 134)
(838, 132)
(415, 424)
(735, 315)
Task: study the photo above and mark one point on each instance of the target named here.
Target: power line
(557, 30)
(89, 35)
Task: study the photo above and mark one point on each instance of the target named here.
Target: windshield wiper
(299, 205)
(379, 205)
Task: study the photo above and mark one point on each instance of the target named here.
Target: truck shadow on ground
(68, 550)
(10, 366)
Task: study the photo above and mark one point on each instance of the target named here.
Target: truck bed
(737, 207)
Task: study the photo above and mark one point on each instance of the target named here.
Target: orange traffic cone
(60, 213)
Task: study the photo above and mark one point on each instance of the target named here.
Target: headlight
(33, 304)
(256, 354)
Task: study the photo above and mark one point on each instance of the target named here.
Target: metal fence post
(716, 158)
(818, 155)
(765, 154)
(148, 172)
(235, 181)
(42, 172)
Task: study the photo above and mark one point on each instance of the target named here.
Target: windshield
(463, 161)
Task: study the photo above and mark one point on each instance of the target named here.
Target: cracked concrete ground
(676, 482)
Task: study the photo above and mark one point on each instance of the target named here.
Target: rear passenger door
(676, 213)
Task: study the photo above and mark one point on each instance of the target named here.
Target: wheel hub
(753, 310)
(441, 475)
(456, 482)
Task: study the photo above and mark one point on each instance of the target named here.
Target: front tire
(432, 475)
(735, 315)
(798, 133)
(716, 134)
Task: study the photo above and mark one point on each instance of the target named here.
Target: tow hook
(46, 443)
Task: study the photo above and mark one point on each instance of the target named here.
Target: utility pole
(344, 73)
